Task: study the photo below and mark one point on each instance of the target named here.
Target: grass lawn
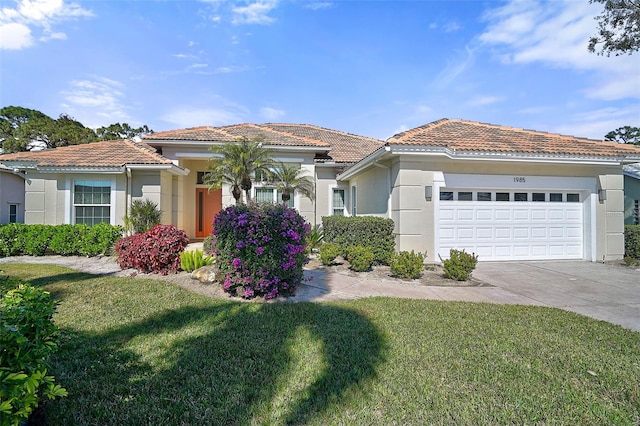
(138, 351)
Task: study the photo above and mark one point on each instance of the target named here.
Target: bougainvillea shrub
(155, 251)
(260, 249)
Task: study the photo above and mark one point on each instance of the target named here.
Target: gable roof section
(346, 147)
(234, 132)
(108, 154)
(472, 136)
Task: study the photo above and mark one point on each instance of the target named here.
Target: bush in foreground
(459, 265)
(368, 231)
(407, 264)
(260, 249)
(632, 241)
(360, 258)
(27, 339)
(156, 251)
(329, 252)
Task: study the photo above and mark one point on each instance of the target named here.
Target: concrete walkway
(606, 292)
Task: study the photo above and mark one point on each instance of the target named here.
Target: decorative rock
(207, 274)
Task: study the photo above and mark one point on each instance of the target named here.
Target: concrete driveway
(606, 292)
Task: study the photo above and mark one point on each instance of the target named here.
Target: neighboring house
(632, 194)
(11, 196)
(501, 192)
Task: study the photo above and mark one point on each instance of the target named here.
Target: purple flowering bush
(260, 249)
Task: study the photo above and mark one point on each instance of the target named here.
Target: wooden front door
(208, 204)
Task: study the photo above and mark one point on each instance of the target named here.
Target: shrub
(27, 338)
(99, 239)
(143, 215)
(360, 258)
(155, 251)
(632, 241)
(194, 259)
(329, 252)
(407, 264)
(315, 238)
(9, 234)
(459, 265)
(36, 239)
(368, 231)
(66, 240)
(259, 249)
(207, 244)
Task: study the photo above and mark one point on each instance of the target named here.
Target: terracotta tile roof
(346, 147)
(466, 135)
(234, 132)
(96, 154)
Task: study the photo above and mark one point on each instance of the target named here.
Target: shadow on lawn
(230, 363)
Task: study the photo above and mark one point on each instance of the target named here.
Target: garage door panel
(512, 230)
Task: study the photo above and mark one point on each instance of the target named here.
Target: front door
(208, 204)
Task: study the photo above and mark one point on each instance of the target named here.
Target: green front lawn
(141, 351)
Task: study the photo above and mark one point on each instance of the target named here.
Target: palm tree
(220, 173)
(289, 178)
(237, 162)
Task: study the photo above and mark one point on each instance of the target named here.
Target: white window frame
(354, 200)
(277, 195)
(15, 214)
(112, 195)
(332, 208)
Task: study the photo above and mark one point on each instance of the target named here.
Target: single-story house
(11, 196)
(501, 192)
(631, 194)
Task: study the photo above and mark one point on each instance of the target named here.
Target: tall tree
(242, 160)
(121, 131)
(618, 28)
(625, 134)
(221, 172)
(290, 178)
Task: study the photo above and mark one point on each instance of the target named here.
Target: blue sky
(372, 68)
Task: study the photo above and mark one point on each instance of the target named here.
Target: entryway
(208, 204)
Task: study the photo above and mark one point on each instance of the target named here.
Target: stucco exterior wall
(11, 192)
(325, 184)
(415, 216)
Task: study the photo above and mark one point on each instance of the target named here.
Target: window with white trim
(13, 213)
(92, 201)
(271, 195)
(337, 202)
(354, 205)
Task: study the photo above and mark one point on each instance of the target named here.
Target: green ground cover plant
(194, 259)
(143, 351)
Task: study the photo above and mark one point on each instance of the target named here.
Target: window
(520, 196)
(484, 196)
(13, 213)
(573, 198)
(92, 201)
(337, 203)
(270, 195)
(636, 212)
(537, 196)
(200, 177)
(502, 196)
(555, 197)
(354, 206)
(465, 196)
(446, 195)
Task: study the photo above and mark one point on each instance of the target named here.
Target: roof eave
(367, 161)
(193, 143)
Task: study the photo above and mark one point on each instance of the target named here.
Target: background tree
(625, 134)
(240, 162)
(618, 28)
(22, 129)
(121, 131)
(289, 178)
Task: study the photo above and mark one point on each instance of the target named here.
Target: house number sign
(519, 179)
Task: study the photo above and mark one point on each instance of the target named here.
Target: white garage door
(524, 226)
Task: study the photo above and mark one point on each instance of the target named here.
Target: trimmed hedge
(632, 241)
(375, 233)
(67, 240)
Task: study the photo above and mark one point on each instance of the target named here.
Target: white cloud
(556, 34)
(454, 68)
(451, 26)
(269, 113)
(101, 97)
(254, 13)
(193, 117)
(597, 123)
(484, 100)
(231, 68)
(15, 36)
(17, 24)
(318, 5)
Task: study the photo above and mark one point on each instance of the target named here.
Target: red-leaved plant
(155, 251)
